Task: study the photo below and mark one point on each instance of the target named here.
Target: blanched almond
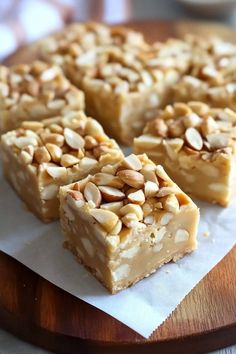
(164, 191)
(76, 195)
(137, 197)
(192, 120)
(32, 125)
(149, 174)
(111, 194)
(88, 163)
(132, 178)
(91, 192)
(132, 162)
(150, 189)
(93, 128)
(25, 157)
(171, 203)
(57, 172)
(41, 155)
(161, 173)
(132, 208)
(73, 139)
(107, 219)
(208, 126)
(113, 206)
(53, 138)
(55, 152)
(194, 138)
(116, 230)
(105, 179)
(129, 219)
(23, 141)
(68, 160)
(173, 146)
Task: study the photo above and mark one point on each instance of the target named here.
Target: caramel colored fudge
(196, 146)
(212, 78)
(39, 157)
(126, 221)
(35, 92)
(124, 86)
(64, 47)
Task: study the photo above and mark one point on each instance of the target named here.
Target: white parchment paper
(144, 306)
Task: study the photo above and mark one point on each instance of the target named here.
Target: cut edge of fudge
(126, 221)
(40, 156)
(196, 145)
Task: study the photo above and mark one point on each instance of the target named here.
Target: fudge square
(212, 77)
(35, 92)
(124, 85)
(39, 157)
(64, 47)
(196, 145)
(126, 221)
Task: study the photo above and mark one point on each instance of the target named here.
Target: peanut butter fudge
(35, 92)
(196, 145)
(212, 77)
(64, 47)
(124, 86)
(39, 157)
(126, 221)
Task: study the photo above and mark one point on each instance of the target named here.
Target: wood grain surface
(45, 315)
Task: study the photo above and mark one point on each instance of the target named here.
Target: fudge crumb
(206, 233)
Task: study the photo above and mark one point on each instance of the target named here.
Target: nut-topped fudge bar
(124, 85)
(39, 157)
(64, 47)
(34, 92)
(126, 221)
(196, 145)
(212, 77)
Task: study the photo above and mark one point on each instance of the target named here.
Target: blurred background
(23, 21)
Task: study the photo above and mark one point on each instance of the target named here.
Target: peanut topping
(132, 178)
(35, 91)
(61, 141)
(198, 128)
(136, 202)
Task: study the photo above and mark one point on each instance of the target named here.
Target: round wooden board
(45, 315)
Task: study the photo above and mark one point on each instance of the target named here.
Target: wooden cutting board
(45, 315)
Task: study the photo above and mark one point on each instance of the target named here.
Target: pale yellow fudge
(39, 157)
(126, 221)
(196, 146)
(34, 92)
(124, 86)
(212, 77)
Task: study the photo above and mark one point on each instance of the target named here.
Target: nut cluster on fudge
(67, 45)
(128, 69)
(61, 146)
(34, 92)
(195, 127)
(132, 194)
(211, 77)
